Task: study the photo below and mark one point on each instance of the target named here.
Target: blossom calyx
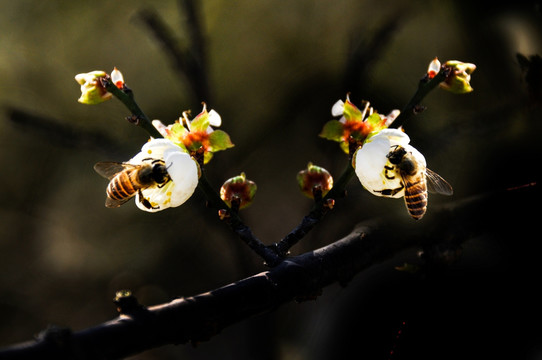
(238, 190)
(314, 179)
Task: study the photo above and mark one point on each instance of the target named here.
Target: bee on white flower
(162, 175)
(388, 166)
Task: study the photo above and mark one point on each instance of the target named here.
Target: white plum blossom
(373, 168)
(183, 171)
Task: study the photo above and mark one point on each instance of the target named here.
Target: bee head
(159, 172)
(396, 155)
(403, 159)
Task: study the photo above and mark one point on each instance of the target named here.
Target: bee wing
(436, 184)
(108, 169)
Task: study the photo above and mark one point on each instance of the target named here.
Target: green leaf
(219, 140)
(207, 157)
(333, 130)
(374, 119)
(351, 112)
(200, 122)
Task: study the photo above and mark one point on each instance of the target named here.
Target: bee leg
(159, 186)
(388, 168)
(146, 202)
(153, 161)
(390, 192)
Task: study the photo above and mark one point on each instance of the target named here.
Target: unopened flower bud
(314, 178)
(433, 69)
(92, 90)
(458, 81)
(238, 189)
(117, 78)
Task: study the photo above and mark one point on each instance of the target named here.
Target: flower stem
(126, 97)
(316, 214)
(236, 224)
(319, 211)
(425, 86)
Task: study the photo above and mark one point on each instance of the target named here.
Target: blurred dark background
(274, 69)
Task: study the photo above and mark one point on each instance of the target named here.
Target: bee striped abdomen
(123, 186)
(416, 198)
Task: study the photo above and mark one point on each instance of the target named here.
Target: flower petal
(338, 108)
(153, 149)
(184, 173)
(373, 168)
(182, 169)
(214, 119)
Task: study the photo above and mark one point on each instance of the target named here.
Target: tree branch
(197, 318)
(126, 96)
(318, 212)
(425, 86)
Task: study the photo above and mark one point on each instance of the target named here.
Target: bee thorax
(408, 166)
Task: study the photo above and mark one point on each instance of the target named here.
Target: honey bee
(416, 179)
(127, 180)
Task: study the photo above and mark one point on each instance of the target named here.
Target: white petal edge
(154, 149)
(214, 119)
(338, 108)
(184, 173)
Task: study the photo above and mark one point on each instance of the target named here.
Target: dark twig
(126, 96)
(338, 190)
(318, 212)
(236, 224)
(199, 317)
(413, 107)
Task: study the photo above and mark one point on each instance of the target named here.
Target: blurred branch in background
(531, 67)
(365, 52)
(188, 60)
(197, 318)
(60, 134)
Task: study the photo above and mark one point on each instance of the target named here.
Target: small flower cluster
(382, 158)
(355, 125)
(185, 146)
(374, 148)
(198, 134)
